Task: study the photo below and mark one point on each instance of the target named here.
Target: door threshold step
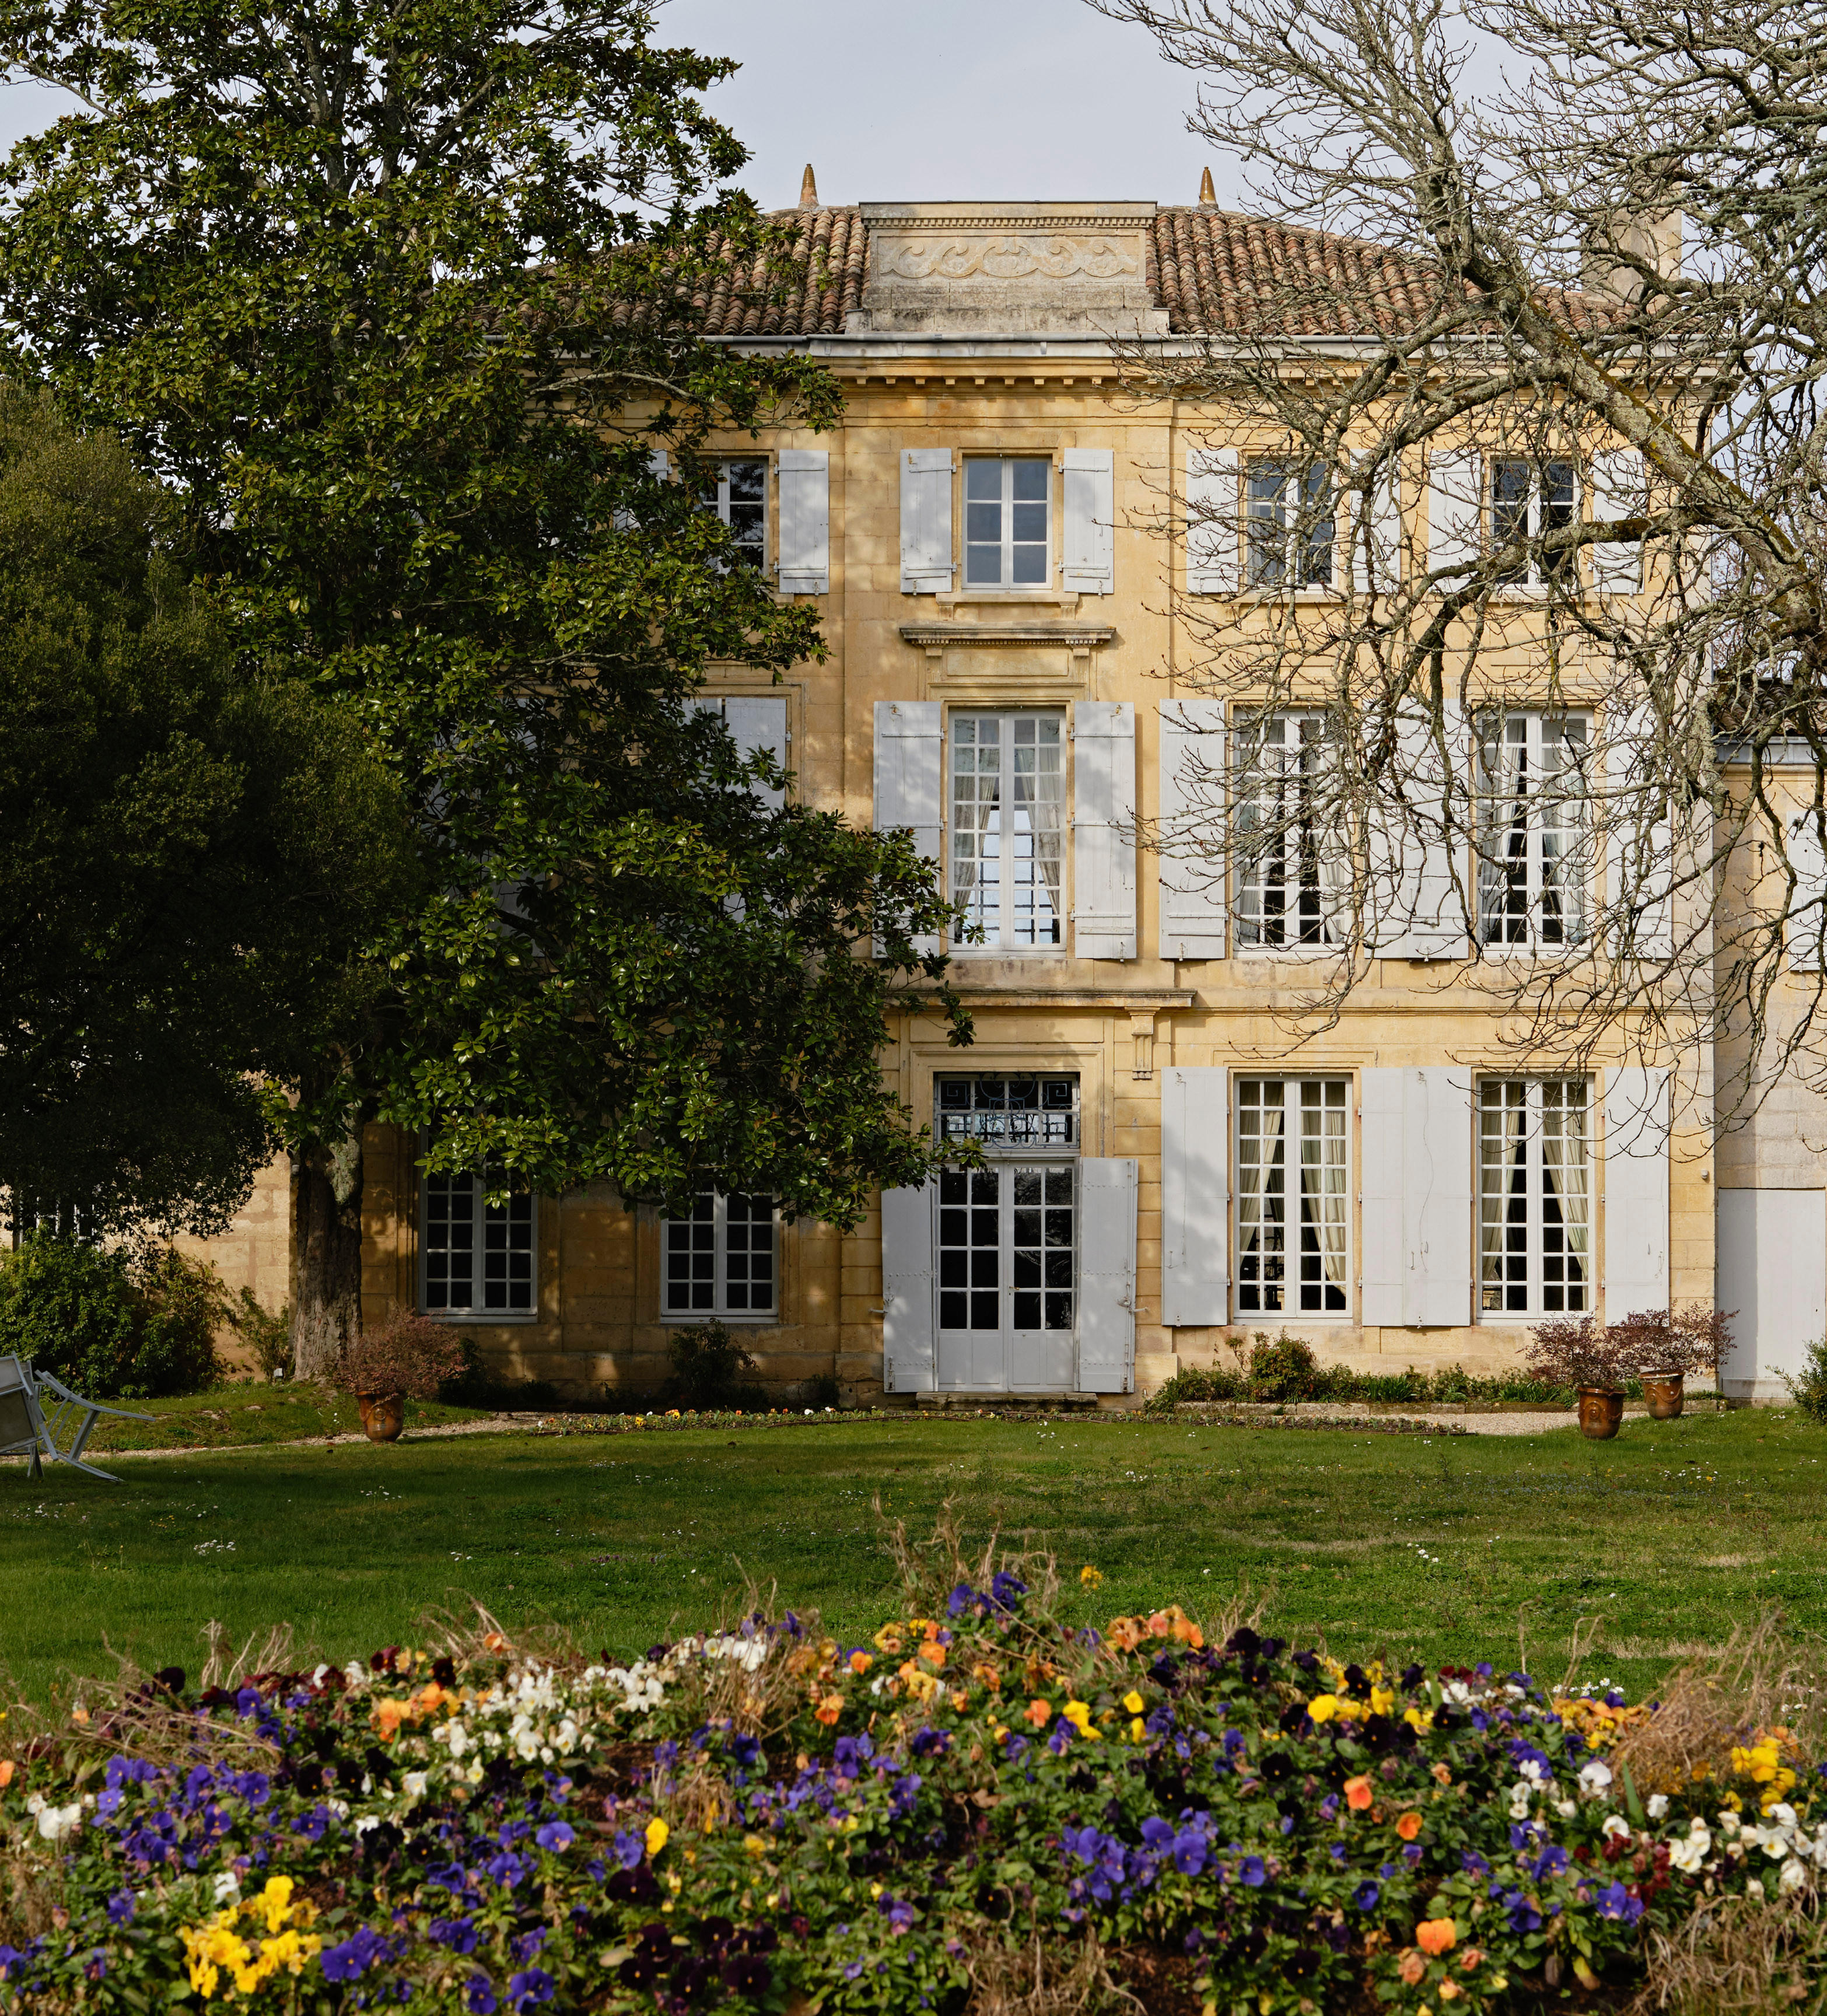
(947, 1400)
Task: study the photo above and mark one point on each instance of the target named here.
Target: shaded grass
(1669, 1535)
(230, 1416)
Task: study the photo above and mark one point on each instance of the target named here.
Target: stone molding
(1074, 637)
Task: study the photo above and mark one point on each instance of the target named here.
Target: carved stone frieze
(999, 256)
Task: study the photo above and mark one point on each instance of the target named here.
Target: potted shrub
(1646, 1343)
(412, 1356)
(1577, 1352)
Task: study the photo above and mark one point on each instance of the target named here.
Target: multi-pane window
(1008, 539)
(1534, 1198)
(721, 1261)
(477, 1258)
(1529, 500)
(739, 496)
(56, 1218)
(1533, 778)
(1293, 1228)
(1287, 524)
(1007, 1234)
(1018, 1111)
(1008, 851)
(1285, 870)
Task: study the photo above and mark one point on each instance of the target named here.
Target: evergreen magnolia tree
(189, 861)
(403, 299)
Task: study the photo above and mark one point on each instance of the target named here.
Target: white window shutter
(1807, 921)
(1088, 552)
(909, 778)
(926, 520)
(1376, 567)
(656, 462)
(909, 1323)
(1416, 1153)
(1107, 1274)
(1212, 476)
(805, 521)
(1455, 510)
(1636, 1189)
(1639, 862)
(1416, 909)
(1195, 1195)
(1617, 492)
(758, 721)
(1192, 854)
(1104, 817)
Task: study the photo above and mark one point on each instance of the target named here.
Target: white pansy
(1688, 1855)
(1567, 1808)
(1794, 1875)
(55, 1822)
(1594, 1778)
(1658, 1804)
(1534, 1772)
(228, 1888)
(1616, 1827)
(414, 1782)
(1754, 1889)
(366, 1824)
(1783, 1815)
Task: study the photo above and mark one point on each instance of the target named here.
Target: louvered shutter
(1195, 1195)
(1455, 507)
(926, 520)
(909, 1320)
(1103, 814)
(1636, 1190)
(1416, 1147)
(1376, 562)
(909, 778)
(1617, 492)
(758, 721)
(1416, 909)
(1210, 514)
(1192, 854)
(805, 521)
(1640, 865)
(1088, 552)
(1807, 910)
(1107, 1274)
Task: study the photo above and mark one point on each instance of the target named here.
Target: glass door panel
(1007, 1277)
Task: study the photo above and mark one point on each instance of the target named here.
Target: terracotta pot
(383, 1415)
(1663, 1391)
(1601, 1412)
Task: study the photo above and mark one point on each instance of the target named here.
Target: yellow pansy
(1323, 1708)
(658, 1831)
(1132, 1702)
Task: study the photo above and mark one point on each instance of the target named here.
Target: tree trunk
(326, 1253)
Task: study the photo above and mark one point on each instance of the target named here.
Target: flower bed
(766, 1819)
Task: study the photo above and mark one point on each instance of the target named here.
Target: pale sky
(1002, 99)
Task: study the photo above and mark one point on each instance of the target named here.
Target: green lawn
(249, 1412)
(1674, 1532)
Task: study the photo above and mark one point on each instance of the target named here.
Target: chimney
(1208, 195)
(808, 190)
(1653, 237)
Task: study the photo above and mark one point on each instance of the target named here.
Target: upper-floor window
(721, 1261)
(1008, 828)
(1532, 781)
(475, 1257)
(1529, 500)
(1288, 524)
(1284, 866)
(1534, 1198)
(1008, 537)
(739, 496)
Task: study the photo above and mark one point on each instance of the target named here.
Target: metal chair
(23, 1426)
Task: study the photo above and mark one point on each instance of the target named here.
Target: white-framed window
(1534, 773)
(722, 1260)
(1008, 521)
(1534, 1197)
(1021, 1110)
(739, 496)
(1287, 874)
(475, 1257)
(1528, 500)
(1287, 524)
(1008, 828)
(1293, 1194)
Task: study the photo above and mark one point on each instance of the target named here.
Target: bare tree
(1509, 480)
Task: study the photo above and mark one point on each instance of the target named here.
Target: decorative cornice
(1073, 636)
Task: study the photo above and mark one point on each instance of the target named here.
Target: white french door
(1007, 1255)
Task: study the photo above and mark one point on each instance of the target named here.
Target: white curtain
(1038, 794)
(1322, 1186)
(1563, 1168)
(1254, 1155)
(1503, 828)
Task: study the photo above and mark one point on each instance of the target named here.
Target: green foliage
(707, 1367)
(1284, 1369)
(1810, 1389)
(279, 297)
(267, 1335)
(109, 1325)
(477, 1384)
(188, 857)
